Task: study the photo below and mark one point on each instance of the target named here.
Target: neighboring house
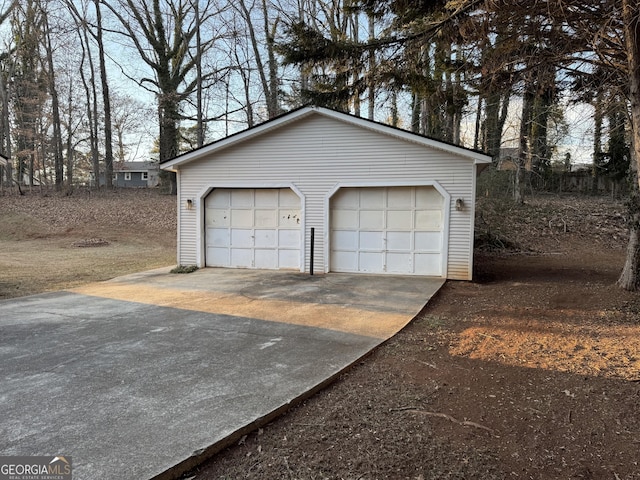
(378, 199)
(4, 163)
(134, 175)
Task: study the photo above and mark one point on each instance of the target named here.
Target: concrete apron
(147, 375)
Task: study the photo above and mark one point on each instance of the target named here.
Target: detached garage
(371, 198)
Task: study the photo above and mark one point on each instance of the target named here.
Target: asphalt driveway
(143, 376)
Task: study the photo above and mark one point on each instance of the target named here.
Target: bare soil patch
(531, 371)
(53, 241)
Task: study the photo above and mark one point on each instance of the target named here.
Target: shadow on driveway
(144, 376)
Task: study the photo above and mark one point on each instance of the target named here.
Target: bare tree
(108, 137)
(163, 34)
(56, 141)
(89, 84)
(268, 74)
(130, 119)
(6, 72)
(630, 277)
(28, 93)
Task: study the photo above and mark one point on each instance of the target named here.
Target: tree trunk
(55, 109)
(169, 119)
(494, 122)
(270, 32)
(597, 141)
(630, 276)
(372, 69)
(92, 105)
(5, 124)
(108, 145)
(199, 116)
(69, 142)
(523, 162)
(415, 112)
(478, 121)
(269, 82)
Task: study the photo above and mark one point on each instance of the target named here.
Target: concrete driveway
(144, 376)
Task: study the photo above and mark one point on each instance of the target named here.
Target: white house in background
(375, 199)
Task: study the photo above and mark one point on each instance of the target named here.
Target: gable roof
(303, 112)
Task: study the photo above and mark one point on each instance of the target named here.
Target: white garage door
(253, 228)
(387, 230)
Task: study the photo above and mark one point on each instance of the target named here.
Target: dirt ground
(532, 371)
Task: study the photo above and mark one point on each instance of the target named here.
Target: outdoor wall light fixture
(189, 204)
(459, 204)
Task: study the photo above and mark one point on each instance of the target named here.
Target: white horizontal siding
(315, 154)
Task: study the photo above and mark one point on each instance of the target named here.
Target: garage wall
(316, 153)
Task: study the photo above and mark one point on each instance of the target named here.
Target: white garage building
(374, 199)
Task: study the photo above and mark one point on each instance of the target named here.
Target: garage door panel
(371, 198)
(399, 219)
(428, 241)
(400, 197)
(241, 218)
(348, 240)
(428, 220)
(344, 219)
(399, 262)
(242, 238)
(241, 257)
(288, 198)
(288, 259)
(346, 199)
(266, 259)
(241, 197)
(371, 220)
(265, 238)
(253, 228)
(266, 218)
(266, 198)
(218, 218)
(344, 261)
(289, 218)
(219, 237)
(371, 262)
(398, 230)
(221, 199)
(218, 256)
(428, 198)
(289, 239)
(427, 263)
(371, 241)
(399, 241)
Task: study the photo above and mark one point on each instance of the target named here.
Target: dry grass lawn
(52, 241)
